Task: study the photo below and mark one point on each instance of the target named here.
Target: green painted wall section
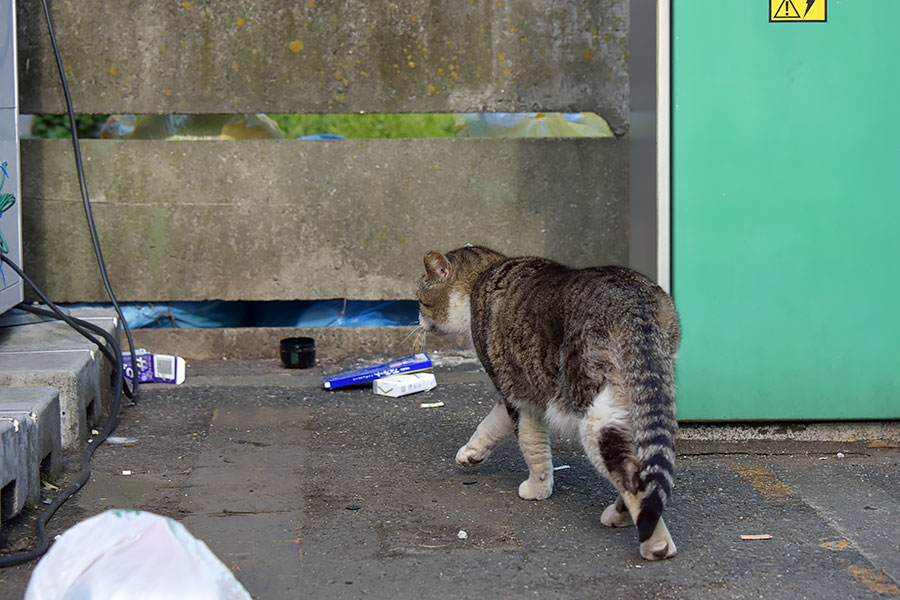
(786, 211)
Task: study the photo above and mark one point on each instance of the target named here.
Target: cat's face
(443, 305)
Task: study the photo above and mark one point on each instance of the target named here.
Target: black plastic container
(298, 352)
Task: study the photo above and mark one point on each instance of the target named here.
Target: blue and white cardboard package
(409, 364)
(154, 368)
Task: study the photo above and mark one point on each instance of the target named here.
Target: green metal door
(786, 210)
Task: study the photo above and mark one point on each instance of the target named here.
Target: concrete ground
(310, 493)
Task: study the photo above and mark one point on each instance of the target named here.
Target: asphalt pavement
(308, 493)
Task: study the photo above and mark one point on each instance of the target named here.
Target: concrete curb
(822, 431)
(333, 344)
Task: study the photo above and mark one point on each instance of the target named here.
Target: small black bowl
(298, 352)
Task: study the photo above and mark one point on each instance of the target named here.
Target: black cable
(85, 198)
(110, 348)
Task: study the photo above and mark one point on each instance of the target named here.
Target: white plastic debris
(840, 455)
(401, 385)
(120, 441)
(131, 554)
(462, 535)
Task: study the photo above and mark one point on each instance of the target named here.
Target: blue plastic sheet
(322, 136)
(299, 313)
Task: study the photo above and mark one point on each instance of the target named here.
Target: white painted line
(863, 513)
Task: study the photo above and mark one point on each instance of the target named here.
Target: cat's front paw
(469, 456)
(536, 488)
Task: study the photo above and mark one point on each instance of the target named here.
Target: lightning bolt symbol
(809, 4)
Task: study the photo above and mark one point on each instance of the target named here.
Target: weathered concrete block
(286, 219)
(39, 404)
(347, 56)
(31, 444)
(12, 442)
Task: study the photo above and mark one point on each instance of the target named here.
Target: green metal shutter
(786, 210)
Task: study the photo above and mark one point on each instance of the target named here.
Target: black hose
(85, 198)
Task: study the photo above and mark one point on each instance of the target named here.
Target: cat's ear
(437, 266)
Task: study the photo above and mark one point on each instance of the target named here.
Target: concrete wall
(285, 219)
(281, 219)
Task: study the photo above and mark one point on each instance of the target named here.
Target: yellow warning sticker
(798, 11)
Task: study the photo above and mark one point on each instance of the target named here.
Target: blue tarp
(299, 313)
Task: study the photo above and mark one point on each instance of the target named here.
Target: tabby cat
(590, 352)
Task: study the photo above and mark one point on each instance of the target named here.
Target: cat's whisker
(419, 341)
(415, 329)
(424, 338)
(418, 333)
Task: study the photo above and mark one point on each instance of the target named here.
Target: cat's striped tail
(650, 379)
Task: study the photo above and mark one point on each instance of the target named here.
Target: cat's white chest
(459, 318)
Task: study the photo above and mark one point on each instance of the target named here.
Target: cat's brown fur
(589, 350)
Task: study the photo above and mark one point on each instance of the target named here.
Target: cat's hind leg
(492, 429)
(534, 441)
(660, 544)
(616, 514)
(609, 444)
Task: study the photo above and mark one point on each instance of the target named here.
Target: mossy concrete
(415, 56)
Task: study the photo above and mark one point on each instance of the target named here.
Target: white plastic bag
(134, 555)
